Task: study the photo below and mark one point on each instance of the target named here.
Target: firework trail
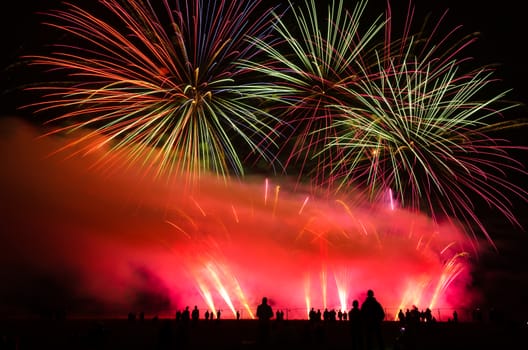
(422, 127)
(204, 86)
(311, 63)
(162, 79)
(388, 111)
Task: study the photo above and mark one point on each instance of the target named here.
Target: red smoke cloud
(110, 240)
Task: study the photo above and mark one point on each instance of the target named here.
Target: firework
(423, 126)
(311, 63)
(162, 79)
(202, 87)
(393, 112)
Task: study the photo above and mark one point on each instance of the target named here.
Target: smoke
(92, 240)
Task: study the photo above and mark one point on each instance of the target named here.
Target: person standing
(354, 318)
(372, 315)
(264, 315)
(195, 315)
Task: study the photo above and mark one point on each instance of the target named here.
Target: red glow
(223, 246)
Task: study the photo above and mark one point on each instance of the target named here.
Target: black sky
(502, 28)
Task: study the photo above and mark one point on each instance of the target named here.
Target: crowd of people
(364, 320)
(361, 327)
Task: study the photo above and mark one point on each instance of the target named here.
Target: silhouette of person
(312, 315)
(354, 318)
(264, 315)
(428, 315)
(186, 315)
(372, 315)
(326, 315)
(195, 314)
(401, 317)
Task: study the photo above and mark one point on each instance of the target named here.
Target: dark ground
(241, 334)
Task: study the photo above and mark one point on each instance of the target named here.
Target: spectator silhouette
(279, 315)
(195, 314)
(372, 315)
(264, 315)
(401, 317)
(186, 315)
(326, 315)
(354, 318)
(428, 315)
(312, 315)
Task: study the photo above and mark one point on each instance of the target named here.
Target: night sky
(502, 27)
